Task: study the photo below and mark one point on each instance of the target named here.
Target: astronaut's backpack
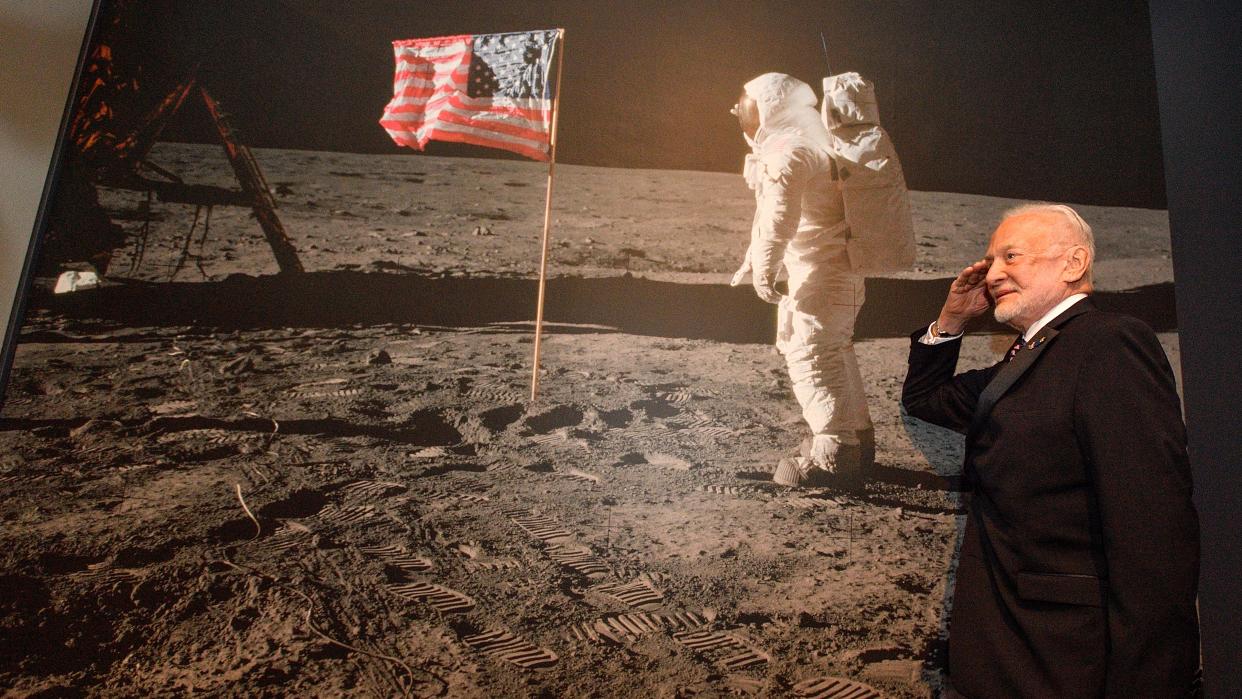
(869, 176)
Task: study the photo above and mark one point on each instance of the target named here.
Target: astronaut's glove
(765, 287)
(740, 275)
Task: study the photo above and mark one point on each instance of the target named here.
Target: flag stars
(483, 79)
(485, 84)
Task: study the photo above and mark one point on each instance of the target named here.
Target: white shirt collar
(1057, 310)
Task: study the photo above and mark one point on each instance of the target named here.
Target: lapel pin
(1035, 343)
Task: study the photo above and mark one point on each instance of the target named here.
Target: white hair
(1080, 228)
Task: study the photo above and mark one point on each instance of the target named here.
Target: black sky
(1048, 100)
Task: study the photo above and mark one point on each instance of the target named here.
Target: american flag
(486, 89)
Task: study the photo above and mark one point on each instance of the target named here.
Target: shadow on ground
(632, 305)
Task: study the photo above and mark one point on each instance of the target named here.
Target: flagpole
(547, 215)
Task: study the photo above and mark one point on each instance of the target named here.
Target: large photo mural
(351, 366)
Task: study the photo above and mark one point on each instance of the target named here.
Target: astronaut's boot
(866, 452)
(791, 471)
(834, 460)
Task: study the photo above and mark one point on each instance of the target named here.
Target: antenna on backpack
(824, 43)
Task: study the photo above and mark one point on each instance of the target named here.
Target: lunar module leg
(255, 187)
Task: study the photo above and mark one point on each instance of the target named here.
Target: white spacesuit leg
(823, 370)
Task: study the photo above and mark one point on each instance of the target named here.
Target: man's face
(1028, 259)
(747, 112)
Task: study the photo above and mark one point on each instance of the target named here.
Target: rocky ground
(465, 216)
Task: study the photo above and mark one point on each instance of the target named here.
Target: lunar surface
(227, 481)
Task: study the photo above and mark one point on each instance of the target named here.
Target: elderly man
(800, 225)
(1080, 559)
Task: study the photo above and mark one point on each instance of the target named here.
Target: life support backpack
(869, 176)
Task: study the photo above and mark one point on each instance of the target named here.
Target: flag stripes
(489, 90)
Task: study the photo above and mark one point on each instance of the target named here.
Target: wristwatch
(935, 330)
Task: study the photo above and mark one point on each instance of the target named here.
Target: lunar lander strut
(111, 138)
(131, 159)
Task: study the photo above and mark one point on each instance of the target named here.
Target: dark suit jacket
(1080, 560)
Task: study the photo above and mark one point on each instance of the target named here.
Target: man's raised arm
(931, 392)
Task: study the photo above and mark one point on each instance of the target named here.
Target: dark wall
(1050, 100)
(1198, 60)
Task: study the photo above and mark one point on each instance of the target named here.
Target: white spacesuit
(800, 223)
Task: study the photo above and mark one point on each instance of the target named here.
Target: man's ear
(1077, 262)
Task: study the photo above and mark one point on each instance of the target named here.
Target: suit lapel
(1009, 375)
(1022, 362)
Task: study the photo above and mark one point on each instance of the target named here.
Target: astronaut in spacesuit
(800, 224)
